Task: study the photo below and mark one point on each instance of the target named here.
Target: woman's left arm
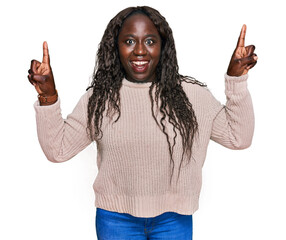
(233, 124)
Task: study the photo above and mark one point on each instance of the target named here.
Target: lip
(140, 66)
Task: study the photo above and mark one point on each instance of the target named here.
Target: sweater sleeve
(233, 123)
(61, 139)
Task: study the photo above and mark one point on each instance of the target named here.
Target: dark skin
(136, 43)
(243, 58)
(41, 75)
(139, 42)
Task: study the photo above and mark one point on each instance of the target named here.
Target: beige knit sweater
(133, 155)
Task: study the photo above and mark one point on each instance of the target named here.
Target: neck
(140, 81)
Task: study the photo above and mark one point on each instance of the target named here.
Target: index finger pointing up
(46, 57)
(240, 42)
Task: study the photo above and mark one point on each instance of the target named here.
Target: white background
(243, 194)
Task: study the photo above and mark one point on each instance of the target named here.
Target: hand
(243, 58)
(41, 75)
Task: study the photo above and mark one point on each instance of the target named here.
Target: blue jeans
(123, 226)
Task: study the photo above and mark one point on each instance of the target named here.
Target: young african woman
(151, 126)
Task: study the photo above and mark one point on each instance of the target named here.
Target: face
(139, 45)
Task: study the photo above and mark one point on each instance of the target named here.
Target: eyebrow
(148, 35)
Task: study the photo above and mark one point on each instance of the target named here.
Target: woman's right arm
(60, 139)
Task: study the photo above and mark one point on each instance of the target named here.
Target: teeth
(140, 62)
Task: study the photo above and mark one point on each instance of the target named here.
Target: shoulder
(193, 87)
(200, 96)
(89, 92)
(85, 97)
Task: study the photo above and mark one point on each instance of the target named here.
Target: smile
(139, 66)
(138, 63)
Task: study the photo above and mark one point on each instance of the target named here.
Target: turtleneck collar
(128, 83)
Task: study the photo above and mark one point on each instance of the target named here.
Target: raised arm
(233, 123)
(60, 139)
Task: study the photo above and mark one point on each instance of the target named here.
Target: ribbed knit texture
(133, 155)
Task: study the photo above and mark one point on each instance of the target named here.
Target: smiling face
(139, 45)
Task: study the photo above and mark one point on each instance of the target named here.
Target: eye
(149, 42)
(129, 41)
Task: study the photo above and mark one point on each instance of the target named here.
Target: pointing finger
(46, 57)
(240, 42)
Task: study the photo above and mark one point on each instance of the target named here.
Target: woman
(150, 124)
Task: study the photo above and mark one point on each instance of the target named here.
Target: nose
(140, 49)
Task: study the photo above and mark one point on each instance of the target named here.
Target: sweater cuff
(46, 108)
(235, 84)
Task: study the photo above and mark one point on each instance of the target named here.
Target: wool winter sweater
(133, 154)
